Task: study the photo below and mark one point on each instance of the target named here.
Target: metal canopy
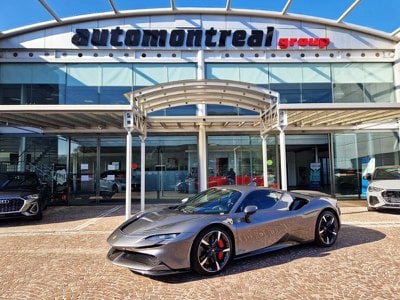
(70, 119)
(185, 92)
(330, 117)
(65, 118)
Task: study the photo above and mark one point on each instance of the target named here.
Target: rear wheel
(211, 251)
(114, 189)
(327, 228)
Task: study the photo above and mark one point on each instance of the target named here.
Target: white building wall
(60, 37)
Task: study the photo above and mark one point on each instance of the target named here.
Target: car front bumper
(18, 207)
(384, 199)
(159, 259)
(141, 263)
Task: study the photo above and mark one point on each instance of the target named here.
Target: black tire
(106, 195)
(39, 215)
(326, 229)
(212, 251)
(369, 208)
(45, 204)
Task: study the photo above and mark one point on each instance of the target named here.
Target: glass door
(171, 167)
(238, 160)
(83, 168)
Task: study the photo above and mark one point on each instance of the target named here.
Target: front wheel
(114, 189)
(211, 251)
(327, 228)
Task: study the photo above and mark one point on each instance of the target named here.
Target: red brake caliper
(221, 245)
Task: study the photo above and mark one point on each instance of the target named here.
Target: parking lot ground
(63, 256)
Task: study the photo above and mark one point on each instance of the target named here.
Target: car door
(266, 227)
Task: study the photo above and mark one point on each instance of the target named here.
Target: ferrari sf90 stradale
(208, 230)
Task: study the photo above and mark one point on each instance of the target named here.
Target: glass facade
(46, 156)
(313, 82)
(30, 83)
(86, 169)
(90, 169)
(363, 82)
(171, 168)
(356, 154)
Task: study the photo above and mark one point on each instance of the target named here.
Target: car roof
(244, 188)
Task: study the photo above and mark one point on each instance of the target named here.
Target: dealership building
(173, 99)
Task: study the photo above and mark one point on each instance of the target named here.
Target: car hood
(10, 194)
(164, 221)
(387, 184)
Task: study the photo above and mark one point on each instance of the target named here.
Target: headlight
(32, 197)
(162, 237)
(372, 188)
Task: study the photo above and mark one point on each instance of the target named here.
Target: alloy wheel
(327, 229)
(213, 253)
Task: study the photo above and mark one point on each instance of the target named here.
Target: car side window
(263, 199)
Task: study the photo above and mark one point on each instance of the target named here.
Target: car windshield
(387, 173)
(211, 201)
(13, 181)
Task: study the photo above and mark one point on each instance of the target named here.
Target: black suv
(22, 195)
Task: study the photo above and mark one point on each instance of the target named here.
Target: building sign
(285, 43)
(210, 38)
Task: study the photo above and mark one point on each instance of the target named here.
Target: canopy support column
(133, 120)
(128, 192)
(282, 124)
(202, 157)
(265, 159)
(142, 172)
(282, 147)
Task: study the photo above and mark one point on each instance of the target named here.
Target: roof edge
(210, 11)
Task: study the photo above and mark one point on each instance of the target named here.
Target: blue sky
(382, 15)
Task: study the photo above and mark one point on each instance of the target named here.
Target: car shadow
(61, 214)
(349, 236)
(388, 211)
(381, 211)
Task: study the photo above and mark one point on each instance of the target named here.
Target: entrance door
(308, 162)
(171, 167)
(83, 170)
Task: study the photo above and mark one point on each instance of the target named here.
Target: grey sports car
(208, 230)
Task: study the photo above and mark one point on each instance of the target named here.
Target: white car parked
(384, 188)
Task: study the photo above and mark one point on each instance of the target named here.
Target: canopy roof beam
(50, 11)
(287, 6)
(228, 4)
(113, 6)
(173, 6)
(348, 11)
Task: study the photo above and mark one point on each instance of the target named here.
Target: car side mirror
(368, 176)
(248, 211)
